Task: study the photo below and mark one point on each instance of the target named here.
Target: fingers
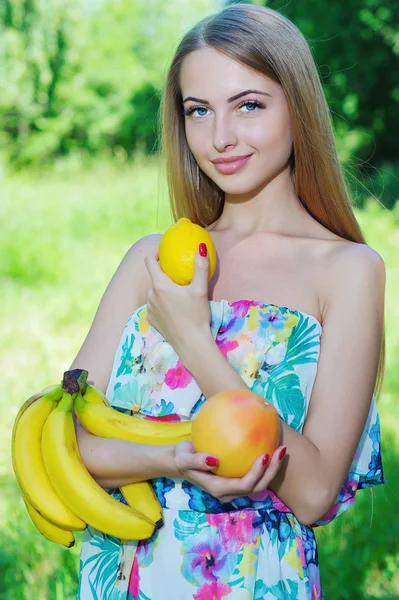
(157, 275)
(271, 470)
(257, 479)
(197, 468)
(187, 459)
(241, 486)
(199, 282)
(149, 263)
(199, 461)
(184, 446)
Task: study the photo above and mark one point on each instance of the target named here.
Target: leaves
(68, 87)
(194, 522)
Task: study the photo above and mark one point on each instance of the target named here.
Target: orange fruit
(178, 247)
(236, 426)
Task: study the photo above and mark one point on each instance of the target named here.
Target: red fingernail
(203, 250)
(211, 461)
(265, 459)
(282, 453)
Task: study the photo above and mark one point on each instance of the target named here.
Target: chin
(241, 188)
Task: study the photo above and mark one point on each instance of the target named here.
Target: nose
(223, 133)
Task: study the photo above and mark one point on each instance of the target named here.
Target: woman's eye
(252, 104)
(191, 111)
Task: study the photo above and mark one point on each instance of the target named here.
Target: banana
(28, 462)
(139, 495)
(48, 529)
(105, 421)
(57, 396)
(76, 487)
(95, 396)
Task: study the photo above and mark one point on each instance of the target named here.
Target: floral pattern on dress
(254, 547)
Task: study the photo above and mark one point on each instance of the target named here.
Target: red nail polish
(282, 453)
(265, 459)
(203, 250)
(211, 461)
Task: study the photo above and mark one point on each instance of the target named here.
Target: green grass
(64, 232)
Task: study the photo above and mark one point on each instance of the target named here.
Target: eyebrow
(228, 99)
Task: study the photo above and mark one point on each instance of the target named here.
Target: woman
(294, 312)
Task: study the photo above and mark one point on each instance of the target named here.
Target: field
(64, 233)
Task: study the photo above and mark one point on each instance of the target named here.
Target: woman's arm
(117, 462)
(121, 298)
(318, 459)
(114, 463)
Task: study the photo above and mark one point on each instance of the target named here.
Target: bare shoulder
(351, 259)
(352, 270)
(136, 254)
(125, 293)
(340, 270)
(147, 243)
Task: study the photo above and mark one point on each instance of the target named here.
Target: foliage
(356, 48)
(74, 78)
(86, 77)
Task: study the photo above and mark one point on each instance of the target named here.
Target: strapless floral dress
(253, 548)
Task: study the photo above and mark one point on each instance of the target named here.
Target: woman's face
(256, 123)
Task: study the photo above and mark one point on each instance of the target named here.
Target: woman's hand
(178, 312)
(192, 466)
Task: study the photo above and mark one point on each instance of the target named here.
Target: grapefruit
(236, 426)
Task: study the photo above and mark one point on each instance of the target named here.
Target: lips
(221, 161)
(228, 168)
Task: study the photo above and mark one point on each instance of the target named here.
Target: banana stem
(55, 394)
(75, 381)
(66, 402)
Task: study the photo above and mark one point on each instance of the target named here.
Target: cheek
(197, 137)
(274, 134)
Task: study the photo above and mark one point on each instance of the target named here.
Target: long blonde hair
(271, 44)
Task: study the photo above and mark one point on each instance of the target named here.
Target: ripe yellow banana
(48, 529)
(105, 421)
(95, 396)
(140, 495)
(77, 488)
(28, 462)
(57, 389)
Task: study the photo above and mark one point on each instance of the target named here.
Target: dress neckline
(256, 303)
(267, 305)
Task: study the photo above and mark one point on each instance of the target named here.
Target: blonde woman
(294, 312)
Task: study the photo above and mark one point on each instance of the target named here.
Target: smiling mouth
(224, 161)
(229, 168)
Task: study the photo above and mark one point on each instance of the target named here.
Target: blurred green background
(82, 179)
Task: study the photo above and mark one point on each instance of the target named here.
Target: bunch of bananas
(59, 493)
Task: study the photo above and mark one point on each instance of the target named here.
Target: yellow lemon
(178, 247)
